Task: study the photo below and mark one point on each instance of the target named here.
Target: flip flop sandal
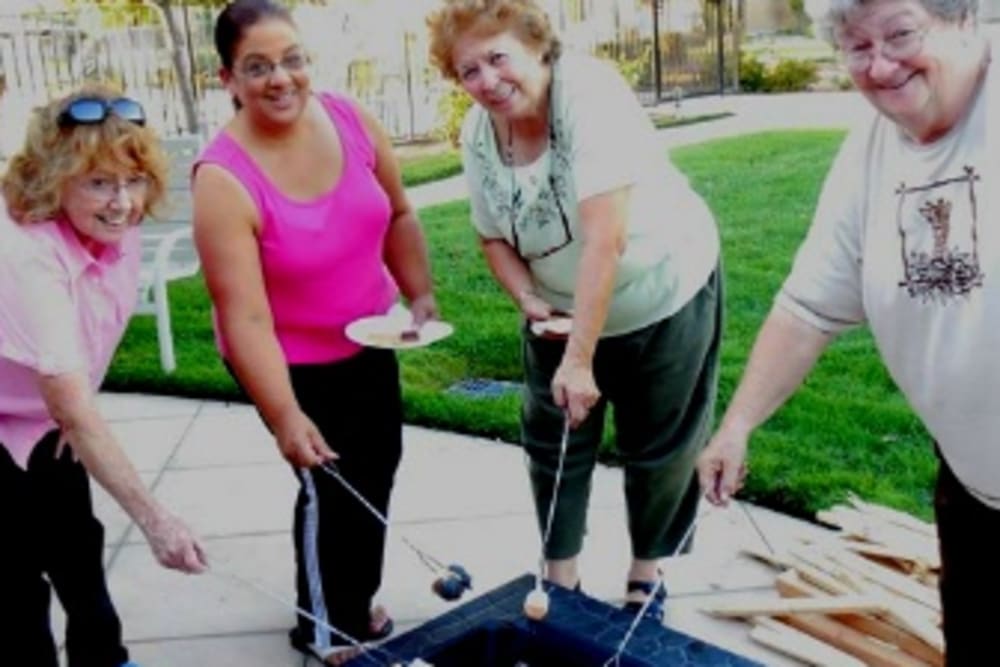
(383, 630)
(339, 646)
(655, 609)
(340, 653)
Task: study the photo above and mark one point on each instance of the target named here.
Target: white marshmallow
(536, 604)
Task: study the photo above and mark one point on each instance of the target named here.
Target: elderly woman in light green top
(580, 214)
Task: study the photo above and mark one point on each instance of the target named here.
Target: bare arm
(70, 402)
(225, 223)
(602, 219)
(785, 351)
(515, 277)
(405, 247)
(595, 275)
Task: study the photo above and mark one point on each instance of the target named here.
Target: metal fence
(697, 41)
(376, 51)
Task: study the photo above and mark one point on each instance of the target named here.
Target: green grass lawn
(847, 429)
(448, 162)
(434, 167)
(663, 121)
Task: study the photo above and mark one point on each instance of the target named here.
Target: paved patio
(215, 464)
(463, 499)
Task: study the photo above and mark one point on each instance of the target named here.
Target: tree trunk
(180, 66)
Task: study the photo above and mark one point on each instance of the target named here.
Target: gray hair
(953, 11)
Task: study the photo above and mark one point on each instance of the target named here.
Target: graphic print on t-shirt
(937, 226)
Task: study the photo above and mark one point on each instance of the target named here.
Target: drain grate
(484, 388)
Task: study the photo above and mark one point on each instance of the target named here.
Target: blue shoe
(130, 664)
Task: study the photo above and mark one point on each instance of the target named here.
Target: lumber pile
(866, 596)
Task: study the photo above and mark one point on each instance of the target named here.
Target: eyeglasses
(259, 69)
(95, 110)
(567, 233)
(899, 45)
(107, 188)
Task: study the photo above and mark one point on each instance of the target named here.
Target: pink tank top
(322, 259)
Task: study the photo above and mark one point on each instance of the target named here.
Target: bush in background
(785, 76)
(636, 70)
(752, 75)
(844, 83)
(791, 75)
(452, 108)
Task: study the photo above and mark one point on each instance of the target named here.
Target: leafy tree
(176, 39)
(799, 15)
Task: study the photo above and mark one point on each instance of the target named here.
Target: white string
(755, 526)
(616, 658)
(366, 651)
(552, 501)
(432, 564)
(724, 566)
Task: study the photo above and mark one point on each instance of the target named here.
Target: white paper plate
(385, 331)
(554, 327)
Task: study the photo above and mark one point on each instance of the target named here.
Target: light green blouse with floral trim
(600, 140)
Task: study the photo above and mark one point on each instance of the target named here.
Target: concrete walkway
(462, 499)
(459, 498)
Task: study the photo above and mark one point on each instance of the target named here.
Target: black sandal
(655, 588)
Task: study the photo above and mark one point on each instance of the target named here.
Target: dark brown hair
(237, 17)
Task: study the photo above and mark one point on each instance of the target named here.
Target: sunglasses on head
(94, 110)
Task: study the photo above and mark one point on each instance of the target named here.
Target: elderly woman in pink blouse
(69, 263)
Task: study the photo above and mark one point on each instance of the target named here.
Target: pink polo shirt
(61, 311)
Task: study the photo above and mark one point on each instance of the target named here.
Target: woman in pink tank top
(303, 226)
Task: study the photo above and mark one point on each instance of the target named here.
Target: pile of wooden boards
(866, 596)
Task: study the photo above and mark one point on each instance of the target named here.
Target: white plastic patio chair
(165, 258)
(168, 252)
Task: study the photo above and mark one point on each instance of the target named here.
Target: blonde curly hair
(525, 18)
(53, 154)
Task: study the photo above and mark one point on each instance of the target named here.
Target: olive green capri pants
(661, 382)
